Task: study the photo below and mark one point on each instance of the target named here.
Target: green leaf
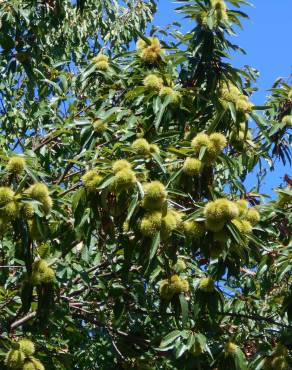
(180, 350)
(232, 110)
(240, 361)
(161, 112)
(154, 246)
(132, 207)
(184, 309)
(106, 182)
(170, 338)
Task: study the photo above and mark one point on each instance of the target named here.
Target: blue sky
(266, 38)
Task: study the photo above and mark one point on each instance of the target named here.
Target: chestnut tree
(129, 238)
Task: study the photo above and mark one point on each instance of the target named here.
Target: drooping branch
(128, 337)
(89, 317)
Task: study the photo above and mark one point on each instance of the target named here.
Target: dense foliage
(128, 237)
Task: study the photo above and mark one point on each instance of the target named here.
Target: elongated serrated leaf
(154, 246)
(184, 308)
(170, 338)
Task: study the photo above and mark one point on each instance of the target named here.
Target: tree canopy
(128, 236)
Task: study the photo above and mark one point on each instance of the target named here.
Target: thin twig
(116, 348)
(48, 140)
(93, 268)
(66, 170)
(23, 320)
(74, 187)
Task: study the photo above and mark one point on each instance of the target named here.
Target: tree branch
(47, 141)
(23, 320)
(74, 187)
(255, 318)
